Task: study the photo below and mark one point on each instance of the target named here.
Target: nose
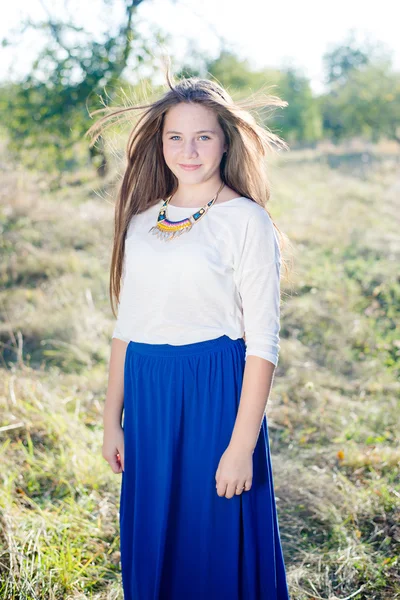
(189, 149)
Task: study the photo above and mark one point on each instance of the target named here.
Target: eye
(205, 136)
(174, 136)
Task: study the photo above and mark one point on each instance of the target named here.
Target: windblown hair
(147, 178)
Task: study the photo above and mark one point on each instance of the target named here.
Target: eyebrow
(201, 131)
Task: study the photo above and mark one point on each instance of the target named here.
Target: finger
(221, 489)
(239, 489)
(122, 459)
(115, 464)
(230, 492)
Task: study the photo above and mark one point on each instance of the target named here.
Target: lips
(190, 167)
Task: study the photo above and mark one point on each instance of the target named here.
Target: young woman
(196, 270)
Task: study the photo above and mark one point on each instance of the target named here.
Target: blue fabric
(179, 539)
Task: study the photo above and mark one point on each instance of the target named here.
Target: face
(193, 142)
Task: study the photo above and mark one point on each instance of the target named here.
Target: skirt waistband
(202, 347)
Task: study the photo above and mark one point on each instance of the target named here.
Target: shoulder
(251, 217)
(256, 236)
(249, 207)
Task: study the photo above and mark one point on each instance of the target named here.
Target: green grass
(332, 413)
(58, 499)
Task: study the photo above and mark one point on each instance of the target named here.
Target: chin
(187, 177)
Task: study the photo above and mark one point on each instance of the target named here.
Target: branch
(125, 33)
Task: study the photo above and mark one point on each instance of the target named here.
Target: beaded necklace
(166, 229)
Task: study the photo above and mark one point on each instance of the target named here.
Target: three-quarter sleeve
(258, 281)
(119, 331)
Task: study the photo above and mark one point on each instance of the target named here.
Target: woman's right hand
(113, 448)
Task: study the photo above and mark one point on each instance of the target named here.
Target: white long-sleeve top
(221, 277)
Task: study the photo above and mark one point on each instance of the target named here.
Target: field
(333, 412)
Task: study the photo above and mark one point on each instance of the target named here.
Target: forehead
(190, 116)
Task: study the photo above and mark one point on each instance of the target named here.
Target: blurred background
(333, 412)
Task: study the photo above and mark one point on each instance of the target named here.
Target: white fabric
(221, 277)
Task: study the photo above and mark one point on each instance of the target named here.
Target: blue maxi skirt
(179, 539)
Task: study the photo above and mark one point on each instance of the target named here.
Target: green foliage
(235, 73)
(343, 59)
(363, 96)
(46, 114)
(301, 120)
(367, 104)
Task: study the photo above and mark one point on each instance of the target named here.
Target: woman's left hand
(235, 472)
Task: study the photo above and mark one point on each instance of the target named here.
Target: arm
(115, 391)
(258, 281)
(257, 383)
(113, 436)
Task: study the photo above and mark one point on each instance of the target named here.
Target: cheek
(169, 152)
(212, 151)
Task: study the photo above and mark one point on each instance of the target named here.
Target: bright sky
(268, 34)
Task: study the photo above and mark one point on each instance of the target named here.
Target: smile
(190, 167)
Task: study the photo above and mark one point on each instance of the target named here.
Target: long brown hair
(147, 179)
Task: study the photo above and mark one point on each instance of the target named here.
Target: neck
(196, 194)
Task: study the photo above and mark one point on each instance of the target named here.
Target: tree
(302, 120)
(363, 93)
(367, 104)
(342, 60)
(46, 113)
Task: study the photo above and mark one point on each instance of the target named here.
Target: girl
(194, 350)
